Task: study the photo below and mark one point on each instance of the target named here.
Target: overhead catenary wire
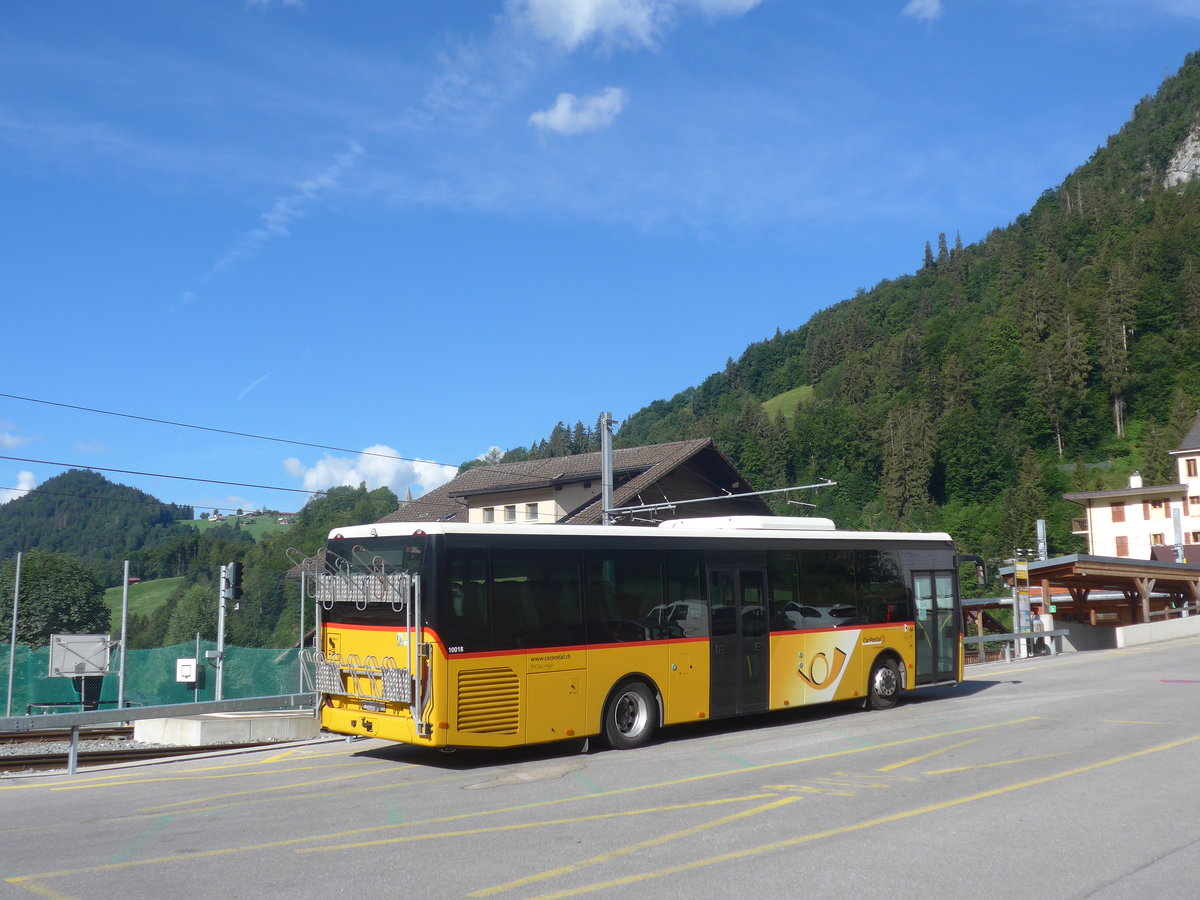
(62, 465)
(245, 434)
(99, 499)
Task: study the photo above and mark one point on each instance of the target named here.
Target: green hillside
(788, 402)
(84, 514)
(144, 597)
(256, 526)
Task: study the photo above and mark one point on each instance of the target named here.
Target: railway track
(52, 735)
(48, 761)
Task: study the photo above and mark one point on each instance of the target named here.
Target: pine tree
(908, 446)
(1116, 326)
(1158, 466)
(1024, 504)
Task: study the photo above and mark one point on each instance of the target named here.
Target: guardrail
(1051, 639)
(75, 720)
(1182, 612)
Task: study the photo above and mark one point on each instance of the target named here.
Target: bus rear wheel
(883, 687)
(631, 716)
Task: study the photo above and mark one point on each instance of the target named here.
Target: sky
(400, 234)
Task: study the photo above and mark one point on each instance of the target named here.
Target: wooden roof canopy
(1137, 579)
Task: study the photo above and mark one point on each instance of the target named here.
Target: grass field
(789, 401)
(256, 525)
(144, 597)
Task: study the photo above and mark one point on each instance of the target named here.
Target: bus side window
(784, 590)
(463, 620)
(624, 594)
(827, 588)
(535, 599)
(883, 595)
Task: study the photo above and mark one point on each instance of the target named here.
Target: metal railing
(1181, 612)
(76, 720)
(1051, 639)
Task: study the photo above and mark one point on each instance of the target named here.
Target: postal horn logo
(820, 673)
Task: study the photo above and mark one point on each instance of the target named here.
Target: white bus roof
(788, 527)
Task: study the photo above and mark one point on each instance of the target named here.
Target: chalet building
(566, 489)
(1138, 521)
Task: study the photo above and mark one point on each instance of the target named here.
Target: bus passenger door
(739, 643)
(937, 627)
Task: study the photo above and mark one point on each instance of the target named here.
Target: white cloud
(25, 482)
(573, 115)
(926, 10)
(252, 385)
(636, 23)
(9, 440)
(277, 221)
(377, 466)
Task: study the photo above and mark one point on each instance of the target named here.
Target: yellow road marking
(632, 848)
(861, 826)
(42, 891)
(994, 765)
(541, 804)
(340, 792)
(924, 756)
(524, 826)
(273, 845)
(164, 779)
(115, 779)
(276, 757)
(279, 787)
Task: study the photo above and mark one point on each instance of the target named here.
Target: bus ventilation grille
(489, 701)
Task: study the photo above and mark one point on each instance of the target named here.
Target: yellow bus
(457, 635)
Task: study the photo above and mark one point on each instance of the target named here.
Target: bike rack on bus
(372, 679)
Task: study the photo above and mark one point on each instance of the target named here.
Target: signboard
(74, 655)
(185, 671)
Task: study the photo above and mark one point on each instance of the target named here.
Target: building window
(1196, 537)
(531, 514)
(489, 514)
(1156, 540)
(510, 513)
(1122, 546)
(1190, 465)
(1118, 512)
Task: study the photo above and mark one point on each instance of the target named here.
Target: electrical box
(186, 671)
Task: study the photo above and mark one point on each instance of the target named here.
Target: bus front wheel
(631, 716)
(883, 687)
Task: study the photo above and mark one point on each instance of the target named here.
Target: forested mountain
(86, 515)
(99, 525)
(1059, 353)
(268, 614)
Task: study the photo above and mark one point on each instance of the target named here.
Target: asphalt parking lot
(1069, 776)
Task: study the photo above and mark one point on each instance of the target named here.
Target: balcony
(1079, 526)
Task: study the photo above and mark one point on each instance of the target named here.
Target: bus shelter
(1133, 590)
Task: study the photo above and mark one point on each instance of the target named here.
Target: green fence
(149, 678)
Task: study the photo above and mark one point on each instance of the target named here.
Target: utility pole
(606, 468)
(12, 647)
(220, 657)
(124, 636)
(231, 589)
